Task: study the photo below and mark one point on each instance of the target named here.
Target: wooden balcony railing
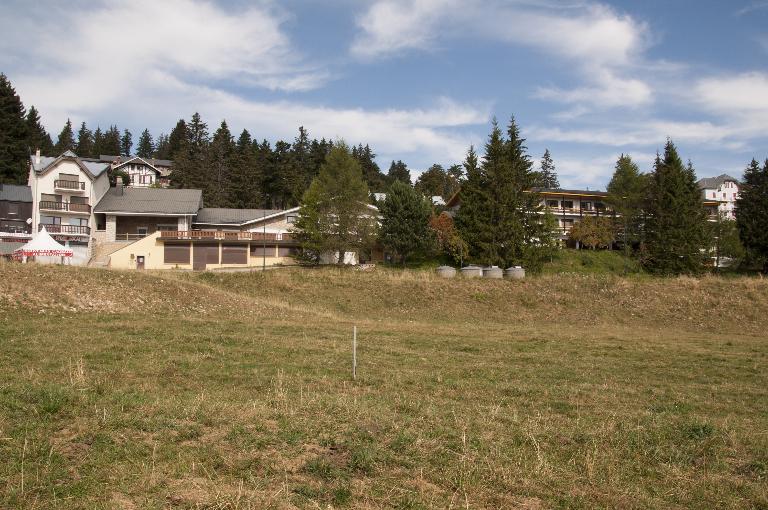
(69, 185)
(66, 229)
(65, 206)
(220, 235)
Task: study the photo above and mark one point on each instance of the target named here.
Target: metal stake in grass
(354, 352)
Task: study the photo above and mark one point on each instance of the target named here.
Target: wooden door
(199, 257)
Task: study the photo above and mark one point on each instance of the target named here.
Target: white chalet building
(722, 189)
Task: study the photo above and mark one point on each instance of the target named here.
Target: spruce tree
(38, 136)
(752, 212)
(84, 146)
(146, 148)
(218, 165)
(547, 176)
(334, 217)
(245, 176)
(675, 225)
(126, 143)
(377, 181)
(14, 149)
(98, 142)
(111, 142)
(66, 141)
(405, 221)
(474, 212)
(399, 172)
(627, 193)
(175, 141)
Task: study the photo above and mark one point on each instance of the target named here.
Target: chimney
(37, 157)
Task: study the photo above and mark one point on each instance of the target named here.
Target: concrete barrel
(472, 272)
(446, 272)
(495, 273)
(514, 273)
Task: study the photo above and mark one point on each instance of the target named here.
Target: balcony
(61, 184)
(75, 230)
(219, 235)
(65, 207)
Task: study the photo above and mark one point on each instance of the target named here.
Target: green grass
(592, 262)
(575, 391)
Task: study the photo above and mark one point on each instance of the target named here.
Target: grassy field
(125, 390)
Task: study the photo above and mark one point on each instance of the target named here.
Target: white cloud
(602, 43)
(144, 64)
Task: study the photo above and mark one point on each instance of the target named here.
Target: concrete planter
(514, 273)
(472, 272)
(446, 272)
(494, 273)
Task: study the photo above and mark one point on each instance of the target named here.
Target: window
(81, 222)
(567, 204)
(169, 226)
(45, 197)
(13, 208)
(234, 254)
(586, 206)
(286, 251)
(78, 200)
(258, 251)
(552, 203)
(291, 218)
(142, 231)
(176, 254)
(50, 220)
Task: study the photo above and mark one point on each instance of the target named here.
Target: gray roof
(217, 216)
(151, 201)
(14, 193)
(94, 166)
(715, 182)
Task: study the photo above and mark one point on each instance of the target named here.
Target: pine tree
(405, 221)
(245, 176)
(66, 141)
(126, 143)
(399, 172)
(160, 146)
(145, 148)
(98, 143)
(111, 142)
(472, 217)
(675, 225)
(38, 137)
(14, 151)
(627, 193)
(190, 156)
(334, 217)
(547, 176)
(752, 212)
(174, 142)
(84, 146)
(218, 165)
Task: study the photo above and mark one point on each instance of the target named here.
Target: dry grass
(233, 391)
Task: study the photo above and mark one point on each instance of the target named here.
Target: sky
(418, 80)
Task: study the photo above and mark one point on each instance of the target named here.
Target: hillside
(129, 390)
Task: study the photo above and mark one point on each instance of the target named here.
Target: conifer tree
(627, 193)
(399, 172)
(405, 221)
(218, 165)
(126, 143)
(160, 146)
(84, 146)
(377, 181)
(245, 177)
(14, 151)
(145, 149)
(752, 212)
(334, 217)
(66, 141)
(547, 176)
(190, 157)
(675, 225)
(38, 136)
(98, 142)
(111, 142)
(175, 141)
(472, 217)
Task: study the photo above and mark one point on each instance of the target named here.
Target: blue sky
(419, 80)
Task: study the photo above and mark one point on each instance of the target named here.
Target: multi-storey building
(143, 172)
(64, 190)
(15, 218)
(569, 206)
(722, 189)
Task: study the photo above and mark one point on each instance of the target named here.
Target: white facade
(724, 190)
(141, 173)
(64, 191)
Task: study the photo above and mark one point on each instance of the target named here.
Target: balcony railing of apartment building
(65, 206)
(69, 185)
(581, 212)
(217, 235)
(65, 229)
(14, 229)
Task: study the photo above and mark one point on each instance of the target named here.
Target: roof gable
(91, 169)
(136, 159)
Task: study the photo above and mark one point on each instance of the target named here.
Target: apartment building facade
(722, 190)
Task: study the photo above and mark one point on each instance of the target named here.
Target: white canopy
(42, 245)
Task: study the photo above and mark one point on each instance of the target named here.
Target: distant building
(143, 172)
(722, 190)
(15, 218)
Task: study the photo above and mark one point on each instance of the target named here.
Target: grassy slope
(125, 390)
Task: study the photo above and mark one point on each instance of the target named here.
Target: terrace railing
(69, 185)
(66, 229)
(220, 235)
(65, 206)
